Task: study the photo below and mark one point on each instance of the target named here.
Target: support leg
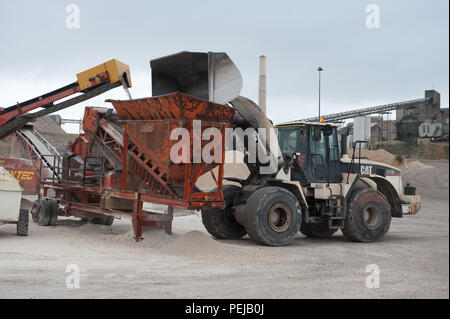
(168, 225)
(137, 220)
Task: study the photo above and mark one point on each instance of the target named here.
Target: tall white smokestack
(262, 83)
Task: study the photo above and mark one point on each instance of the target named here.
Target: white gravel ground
(413, 259)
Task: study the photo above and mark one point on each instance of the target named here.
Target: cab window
(318, 146)
(334, 146)
(292, 140)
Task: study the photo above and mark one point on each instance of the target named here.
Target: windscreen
(292, 139)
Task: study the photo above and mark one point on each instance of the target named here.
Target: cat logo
(366, 169)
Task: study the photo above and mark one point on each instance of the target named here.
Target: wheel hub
(279, 217)
(371, 217)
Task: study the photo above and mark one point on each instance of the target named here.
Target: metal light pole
(320, 69)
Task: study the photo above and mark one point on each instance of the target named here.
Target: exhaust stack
(262, 83)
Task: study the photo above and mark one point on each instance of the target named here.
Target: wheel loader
(317, 191)
(305, 183)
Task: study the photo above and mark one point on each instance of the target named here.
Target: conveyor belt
(44, 150)
(36, 99)
(367, 111)
(21, 120)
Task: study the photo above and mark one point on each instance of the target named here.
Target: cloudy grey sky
(408, 54)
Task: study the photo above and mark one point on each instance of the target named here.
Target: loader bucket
(211, 76)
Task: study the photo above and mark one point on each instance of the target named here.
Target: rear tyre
(52, 207)
(273, 216)
(22, 223)
(368, 216)
(40, 214)
(221, 223)
(317, 230)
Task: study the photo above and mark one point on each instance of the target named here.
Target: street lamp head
(320, 69)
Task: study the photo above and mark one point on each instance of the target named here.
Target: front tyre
(273, 216)
(368, 216)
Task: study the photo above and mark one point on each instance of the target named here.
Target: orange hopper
(148, 124)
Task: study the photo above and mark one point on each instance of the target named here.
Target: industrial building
(424, 119)
(414, 119)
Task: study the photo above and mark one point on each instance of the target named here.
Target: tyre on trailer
(107, 220)
(22, 223)
(221, 223)
(52, 207)
(368, 216)
(40, 214)
(273, 216)
(317, 230)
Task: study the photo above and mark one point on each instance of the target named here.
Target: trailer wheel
(107, 220)
(22, 223)
(317, 230)
(40, 213)
(52, 208)
(368, 216)
(273, 216)
(220, 222)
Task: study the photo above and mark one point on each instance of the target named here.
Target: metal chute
(211, 76)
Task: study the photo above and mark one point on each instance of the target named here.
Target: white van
(10, 200)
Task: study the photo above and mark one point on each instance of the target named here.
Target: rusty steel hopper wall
(148, 122)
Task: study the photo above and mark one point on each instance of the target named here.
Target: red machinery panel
(25, 172)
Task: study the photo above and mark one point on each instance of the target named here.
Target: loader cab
(315, 150)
